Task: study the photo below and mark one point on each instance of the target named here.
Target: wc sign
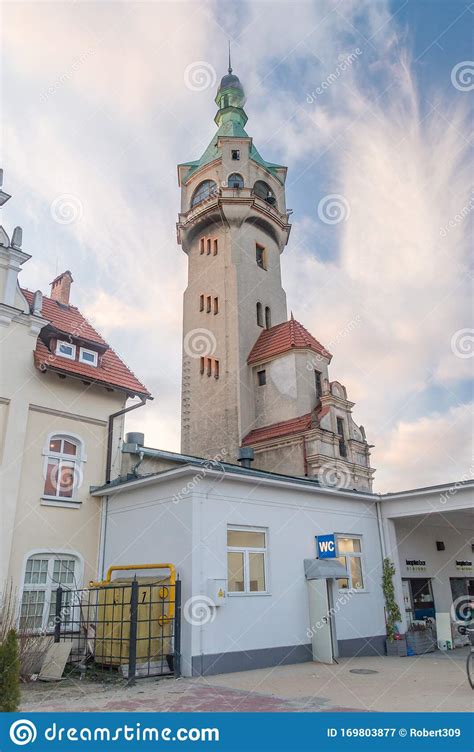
(326, 545)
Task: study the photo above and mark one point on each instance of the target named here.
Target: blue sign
(326, 546)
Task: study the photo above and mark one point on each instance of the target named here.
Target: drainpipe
(110, 433)
(381, 533)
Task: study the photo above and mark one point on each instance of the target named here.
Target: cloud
(104, 114)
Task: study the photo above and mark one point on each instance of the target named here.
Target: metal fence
(128, 627)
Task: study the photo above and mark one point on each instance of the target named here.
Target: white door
(320, 621)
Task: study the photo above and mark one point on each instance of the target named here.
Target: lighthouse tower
(233, 226)
(254, 382)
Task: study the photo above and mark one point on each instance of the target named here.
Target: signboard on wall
(326, 546)
(415, 565)
(463, 565)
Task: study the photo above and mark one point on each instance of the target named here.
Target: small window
(208, 304)
(44, 573)
(216, 306)
(66, 349)
(206, 189)
(216, 369)
(209, 366)
(246, 560)
(342, 442)
(261, 378)
(88, 356)
(263, 190)
(215, 246)
(235, 181)
(201, 246)
(318, 383)
(235, 154)
(260, 256)
(201, 302)
(268, 318)
(62, 468)
(259, 315)
(350, 555)
(202, 362)
(209, 246)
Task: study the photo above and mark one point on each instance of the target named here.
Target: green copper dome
(230, 120)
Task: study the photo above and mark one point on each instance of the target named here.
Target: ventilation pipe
(246, 456)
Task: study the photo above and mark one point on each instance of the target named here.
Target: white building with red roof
(63, 394)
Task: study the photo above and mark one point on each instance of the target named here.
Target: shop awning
(323, 569)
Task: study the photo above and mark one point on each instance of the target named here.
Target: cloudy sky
(367, 100)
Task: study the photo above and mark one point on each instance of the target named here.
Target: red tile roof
(282, 338)
(277, 430)
(111, 371)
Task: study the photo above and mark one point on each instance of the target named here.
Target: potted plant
(420, 638)
(395, 644)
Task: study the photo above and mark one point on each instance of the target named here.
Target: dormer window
(88, 356)
(66, 349)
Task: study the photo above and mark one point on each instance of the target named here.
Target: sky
(368, 103)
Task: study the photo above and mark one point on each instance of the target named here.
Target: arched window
(268, 318)
(205, 190)
(263, 190)
(63, 459)
(44, 573)
(235, 180)
(259, 314)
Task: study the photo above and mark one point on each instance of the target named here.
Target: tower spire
(230, 63)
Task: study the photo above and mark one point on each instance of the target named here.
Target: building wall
(35, 405)
(147, 522)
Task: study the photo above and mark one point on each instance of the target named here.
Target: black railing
(128, 627)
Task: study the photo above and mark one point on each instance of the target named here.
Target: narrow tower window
(202, 365)
(259, 314)
(209, 246)
(342, 443)
(261, 378)
(209, 366)
(319, 384)
(208, 304)
(268, 318)
(201, 303)
(216, 306)
(260, 256)
(216, 369)
(215, 247)
(201, 245)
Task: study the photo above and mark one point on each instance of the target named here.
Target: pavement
(433, 682)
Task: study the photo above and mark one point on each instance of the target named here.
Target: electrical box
(217, 591)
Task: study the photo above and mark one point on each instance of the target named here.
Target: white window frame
(68, 344)
(355, 554)
(47, 623)
(246, 550)
(83, 350)
(78, 459)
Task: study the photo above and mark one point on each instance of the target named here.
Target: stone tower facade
(251, 378)
(233, 226)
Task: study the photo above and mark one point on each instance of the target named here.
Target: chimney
(246, 456)
(61, 287)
